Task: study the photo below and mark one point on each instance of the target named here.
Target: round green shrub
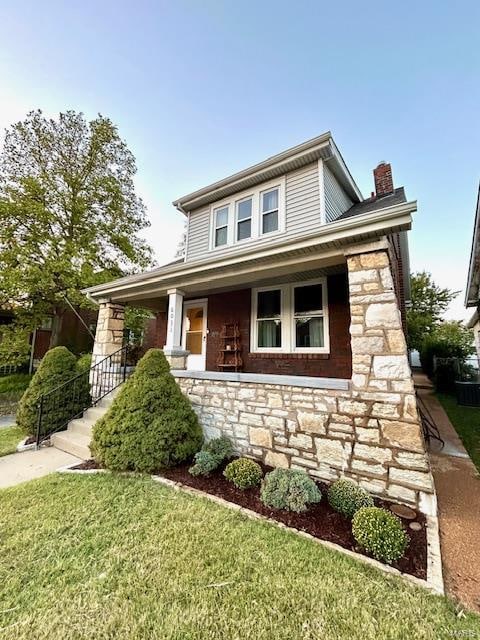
(211, 456)
(289, 489)
(244, 473)
(347, 497)
(205, 463)
(150, 424)
(83, 366)
(57, 367)
(380, 533)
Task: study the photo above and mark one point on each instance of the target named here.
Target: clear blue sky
(202, 89)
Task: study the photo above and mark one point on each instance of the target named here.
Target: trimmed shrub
(289, 489)
(244, 473)
(150, 424)
(380, 533)
(57, 367)
(84, 364)
(347, 497)
(205, 463)
(211, 456)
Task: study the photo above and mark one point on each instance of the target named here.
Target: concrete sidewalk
(457, 483)
(21, 467)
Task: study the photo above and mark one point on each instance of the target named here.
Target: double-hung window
(308, 316)
(221, 226)
(291, 318)
(244, 219)
(269, 210)
(269, 319)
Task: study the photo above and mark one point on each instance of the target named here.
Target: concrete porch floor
(457, 483)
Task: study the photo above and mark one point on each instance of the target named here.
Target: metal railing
(70, 399)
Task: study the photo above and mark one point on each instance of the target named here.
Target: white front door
(194, 337)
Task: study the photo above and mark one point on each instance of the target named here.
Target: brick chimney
(383, 179)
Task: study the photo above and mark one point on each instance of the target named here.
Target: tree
(69, 214)
(428, 304)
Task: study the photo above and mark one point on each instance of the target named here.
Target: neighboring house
(472, 294)
(284, 323)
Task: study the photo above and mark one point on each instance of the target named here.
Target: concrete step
(95, 413)
(83, 426)
(108, 399)
(73, 443)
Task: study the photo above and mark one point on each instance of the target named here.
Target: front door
(195, 333)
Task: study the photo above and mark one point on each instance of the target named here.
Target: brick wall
(235, 306)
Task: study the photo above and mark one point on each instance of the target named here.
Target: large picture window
(291, 318)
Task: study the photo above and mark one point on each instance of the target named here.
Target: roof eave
(382, 220)
(472, 290)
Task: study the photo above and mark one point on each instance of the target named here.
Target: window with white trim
(221, 226)
(269, 209)
(291, 318)
(248, 215)
(244, 210)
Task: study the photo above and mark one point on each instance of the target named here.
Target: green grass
(13, 386)
(9, 438)
(117, 557)
(466, 421)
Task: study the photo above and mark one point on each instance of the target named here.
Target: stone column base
(176, 358)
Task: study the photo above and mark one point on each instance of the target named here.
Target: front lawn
(466, 421)
(13, 386)
(109, 556)
(9, 438)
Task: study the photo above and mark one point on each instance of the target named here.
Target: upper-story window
(221, 226)
(270, 211)
(244, 218)
(249, 215)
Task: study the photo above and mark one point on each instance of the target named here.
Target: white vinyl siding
(302, 213)
(336, 200)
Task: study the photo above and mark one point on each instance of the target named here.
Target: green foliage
(289, 489)
(347, 497)
(428, 304)
(213, 453)
(380, 533)
(150, 424)
(83, 366)
(14, 344)
(15, 383)
(69, 214)
(244, 473)
(447, 340)
(136, 319)
(57, 366)
(205, 463)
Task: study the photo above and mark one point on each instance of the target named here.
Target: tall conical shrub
(57, 366)
(150, 424)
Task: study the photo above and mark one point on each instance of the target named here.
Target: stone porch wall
(370, 433)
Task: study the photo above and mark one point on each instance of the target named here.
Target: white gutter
(378, 222)
(473, 270)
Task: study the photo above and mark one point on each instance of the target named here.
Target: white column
(174, 322)
(173, 349)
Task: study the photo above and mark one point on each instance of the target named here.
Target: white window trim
(215, 228)
(231, 203)
(287, 317)
(237, 202)
(261, 213)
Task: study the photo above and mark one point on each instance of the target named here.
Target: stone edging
(433, 583)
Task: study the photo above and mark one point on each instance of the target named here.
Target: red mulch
(320, 520)
(87, 465)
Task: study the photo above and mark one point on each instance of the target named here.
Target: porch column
(388, 427)
(108, 340)
(173, 350)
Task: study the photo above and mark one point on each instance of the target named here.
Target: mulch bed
(320, 520)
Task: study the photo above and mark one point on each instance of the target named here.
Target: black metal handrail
(70, 399)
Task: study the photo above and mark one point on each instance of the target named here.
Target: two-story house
(284, 322)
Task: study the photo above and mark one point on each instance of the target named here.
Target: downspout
(32, 351)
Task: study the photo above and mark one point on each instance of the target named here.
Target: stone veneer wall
(370, 433)
(108, 339)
